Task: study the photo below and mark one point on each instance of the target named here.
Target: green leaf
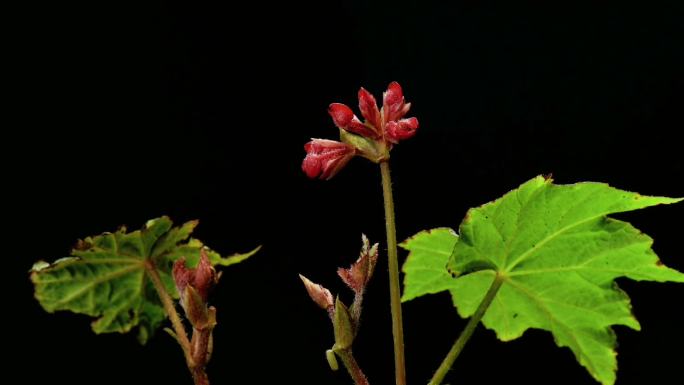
(342, 325)
(233, 259)
(558, 254)
(191, 252)
(105, 276)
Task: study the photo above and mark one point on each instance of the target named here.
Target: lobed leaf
(559, 255)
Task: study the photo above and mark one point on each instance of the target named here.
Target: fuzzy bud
(319, 294)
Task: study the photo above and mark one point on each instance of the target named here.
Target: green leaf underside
(558, 254)
(105, 276)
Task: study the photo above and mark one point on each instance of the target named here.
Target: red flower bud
(341, 114)
(193, 286)
(344, 118)
(369, 108)
(325, 158)
(403, 129)
(393, 104)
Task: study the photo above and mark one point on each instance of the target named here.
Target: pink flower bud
(369, 108)
(325, 158)
(344, 118)
(393, 104)
(320, 295)
(361, 271)
(396, 131)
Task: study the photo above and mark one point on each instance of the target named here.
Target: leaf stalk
(462, 339)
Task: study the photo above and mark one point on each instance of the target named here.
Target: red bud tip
(341, 114)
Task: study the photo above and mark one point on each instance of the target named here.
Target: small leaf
(342, 322)
(559, 255)
(105, 276)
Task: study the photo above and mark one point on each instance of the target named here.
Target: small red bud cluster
(372, 139)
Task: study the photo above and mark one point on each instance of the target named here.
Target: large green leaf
(106, 276)
(558, 255)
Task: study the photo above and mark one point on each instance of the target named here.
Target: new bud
(320, 295)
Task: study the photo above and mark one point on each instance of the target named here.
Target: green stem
(467, 332)
(352, 367)
(395, 292)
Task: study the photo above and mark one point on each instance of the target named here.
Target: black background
(201, 109)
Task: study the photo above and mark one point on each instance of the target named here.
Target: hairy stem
(352, 367)
(198, 373)
(395, 292)
(467, 332)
